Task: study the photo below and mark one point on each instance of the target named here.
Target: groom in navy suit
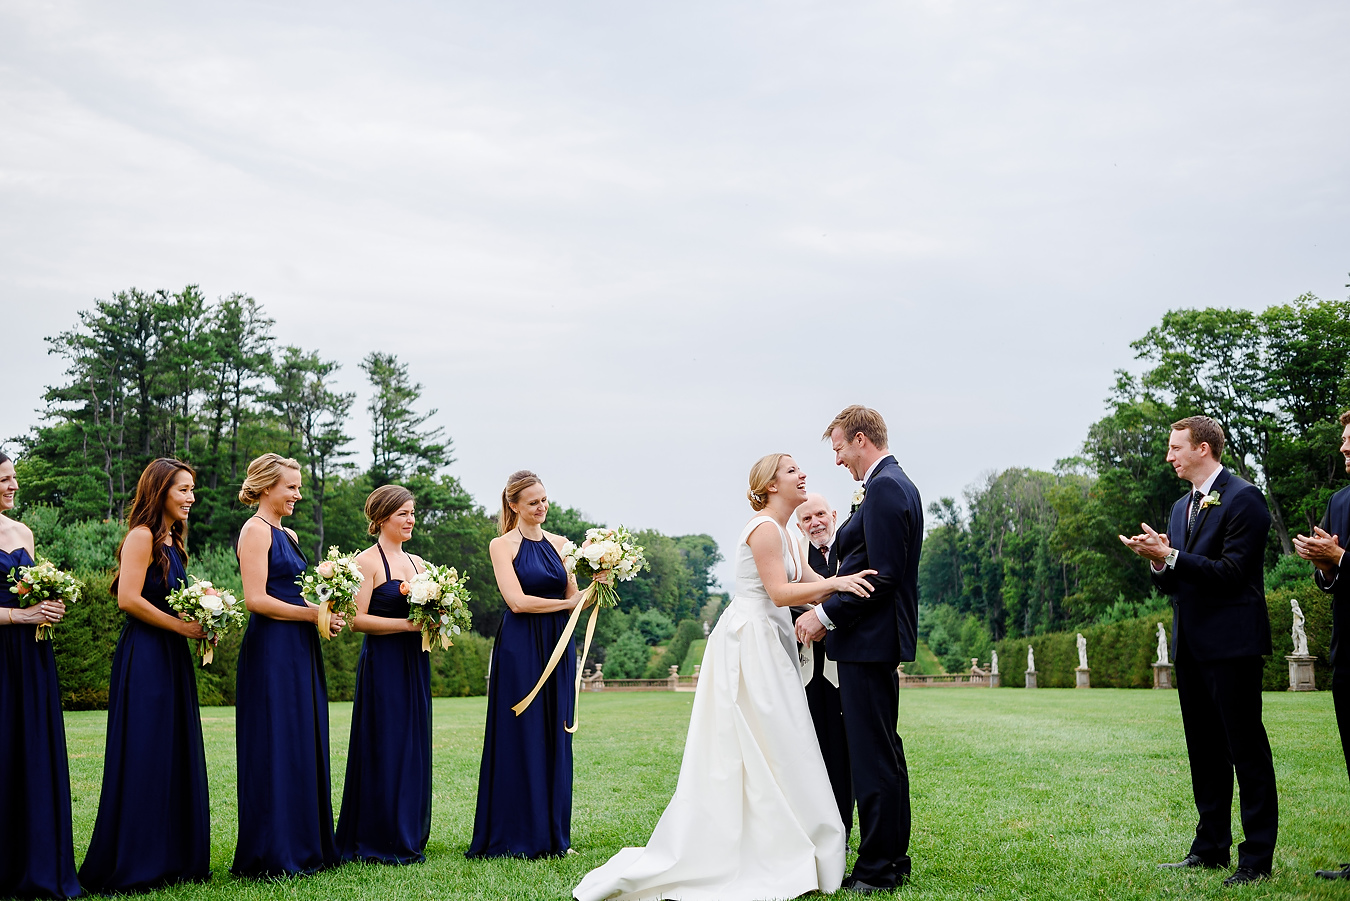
(869, 637)
(1211, 563)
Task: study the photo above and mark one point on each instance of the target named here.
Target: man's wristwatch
(1171, 560)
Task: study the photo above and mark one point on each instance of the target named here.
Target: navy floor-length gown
(386, 798)
(525, 781)
(154, 814)
(281, 735)
(38, 858)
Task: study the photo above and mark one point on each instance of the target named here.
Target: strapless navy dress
(281, 735)
(38, 858)
(154, 815)
(386, 798)
(525, 781)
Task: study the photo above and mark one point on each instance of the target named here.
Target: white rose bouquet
(605, 557)
(332, 586)
(438, 601)
(44, 582)
(217, 610)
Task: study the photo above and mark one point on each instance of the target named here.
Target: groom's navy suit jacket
(1337, 522)
(1218, 586)
(886, 534)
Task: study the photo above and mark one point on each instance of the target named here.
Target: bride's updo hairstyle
(762, 475)
(515, 485)
(263, 473)
(383, 503)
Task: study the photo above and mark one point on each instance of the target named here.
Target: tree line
(177, 374)
(1029, 552)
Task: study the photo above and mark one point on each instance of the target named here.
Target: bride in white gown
(753, 817)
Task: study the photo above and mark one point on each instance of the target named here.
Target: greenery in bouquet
(216, 610)
(332, 587)
(438, 601)
(44, 582)
(606, 556)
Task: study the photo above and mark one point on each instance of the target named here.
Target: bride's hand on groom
(854, 583)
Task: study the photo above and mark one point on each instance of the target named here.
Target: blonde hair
(383, 503)
(515, 485)
(762, 475)
(263, 473)
(857, 418)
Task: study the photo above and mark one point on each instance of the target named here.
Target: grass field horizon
(1016, 794)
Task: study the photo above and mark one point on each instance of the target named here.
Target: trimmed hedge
(1121, 654)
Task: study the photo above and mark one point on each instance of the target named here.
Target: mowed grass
(1017, 794)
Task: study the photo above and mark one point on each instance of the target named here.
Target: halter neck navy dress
(35, 833)
(154, 815)
(525, 781)
(386, 798)
(281, 735)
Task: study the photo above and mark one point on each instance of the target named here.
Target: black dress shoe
(1245, 876)
(1195, 860)
(1342, 873)
(863, 888)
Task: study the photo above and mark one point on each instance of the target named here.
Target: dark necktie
(1195, 512)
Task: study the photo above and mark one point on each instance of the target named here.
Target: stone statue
(1162, 645)
(1300, 636)
(993, 663)
(1082, 651)
(1031, 659)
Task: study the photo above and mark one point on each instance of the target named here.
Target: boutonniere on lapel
(1209, 500)
(858, 495)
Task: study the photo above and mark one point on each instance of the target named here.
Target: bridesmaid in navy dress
(281, 695)
(386, 799)
(154, 816)
(39, 856)
(525, 782)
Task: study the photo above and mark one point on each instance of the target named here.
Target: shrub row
(1121, 655)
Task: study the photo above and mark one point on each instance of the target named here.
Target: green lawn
(1017, 794)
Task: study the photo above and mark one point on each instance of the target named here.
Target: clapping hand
(1322, 549)
(1149, 544)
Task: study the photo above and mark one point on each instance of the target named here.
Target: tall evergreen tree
(400, 447)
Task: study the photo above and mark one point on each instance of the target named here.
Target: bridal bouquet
(438, 601)
(605, 557)
(217, 611)
(332, 586)
(44, 582)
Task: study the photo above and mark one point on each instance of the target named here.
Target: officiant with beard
(817, 521)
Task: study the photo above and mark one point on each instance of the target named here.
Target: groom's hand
(809, 627)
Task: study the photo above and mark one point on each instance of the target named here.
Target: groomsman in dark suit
(869, 637)
(817, 519)
(1325, 549)
(1211, 563)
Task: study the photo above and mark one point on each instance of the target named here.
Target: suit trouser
(1221, 713)
(1340, 694)
(869, 694)
(828, 718)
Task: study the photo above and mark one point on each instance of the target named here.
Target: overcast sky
(635, 246)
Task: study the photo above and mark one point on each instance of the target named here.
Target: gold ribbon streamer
(560, 648)
(208, 652)
(427, 641)
(321, 621)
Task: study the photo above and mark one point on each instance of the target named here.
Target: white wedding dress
(753, 817)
